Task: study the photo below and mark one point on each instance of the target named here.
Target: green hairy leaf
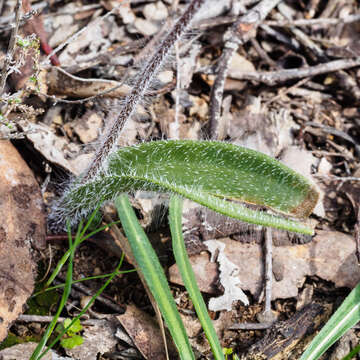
(214, 174)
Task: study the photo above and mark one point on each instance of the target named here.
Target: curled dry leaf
(54, 148)
(145, 334)
(57, 82)
(22, 225)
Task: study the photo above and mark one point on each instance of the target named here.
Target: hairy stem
(144, 80)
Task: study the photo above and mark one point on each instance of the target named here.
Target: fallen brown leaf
(330, 256)
(145, 333)
(59, 83)
(22, 225)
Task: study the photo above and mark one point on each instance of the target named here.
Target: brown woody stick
(240, 32)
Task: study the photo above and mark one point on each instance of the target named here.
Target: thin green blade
(345, 317)
(187, 274)
(150, 267)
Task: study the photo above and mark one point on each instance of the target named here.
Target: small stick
(281, 37)
(251, 326)
(337, 178)
(11, 48)
(77, 34)
(324, 22)
(84, 289)
(240, 32)
(268, 275)
(24, 18)
(46, 319)
(272, 78)
(345, 80)
(5, 20)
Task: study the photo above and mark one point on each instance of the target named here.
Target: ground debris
(22, 227)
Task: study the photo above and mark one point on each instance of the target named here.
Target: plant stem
(239, 33)
(143, 82)
(11, 48)
(153, 272)
(188, 276)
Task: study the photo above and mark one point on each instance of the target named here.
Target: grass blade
(83, 311)
(188, 276)
(67, 289)
(345, 317)
(150, 267)
(209, 172)
(352, 353)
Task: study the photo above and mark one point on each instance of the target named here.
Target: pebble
(145, 27)
(155, 11)
(128, 17)
(165, 76)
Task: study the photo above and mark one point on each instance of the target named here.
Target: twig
(262, 53)
(283, 92)
(272, 78)
(338, 133)
(77, 34)
(337, 178)
(251, 326)
(11, 48)
(268, 275)
(239, 33)
(205, 24)
(144, 80)
(6, 19)
(279, 36)
(23, 20)
(46, 319)
(84, 289)
(345, 81)
(325, 22)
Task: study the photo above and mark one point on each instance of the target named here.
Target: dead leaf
(145, 333)
(330, 256)
(54, 148)
(87, 45)
(204, 270)
(228, 277)
(22, 225)
(238, 65)
(88, 127)
(24, 351)
(59, 83)
(99, 338)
